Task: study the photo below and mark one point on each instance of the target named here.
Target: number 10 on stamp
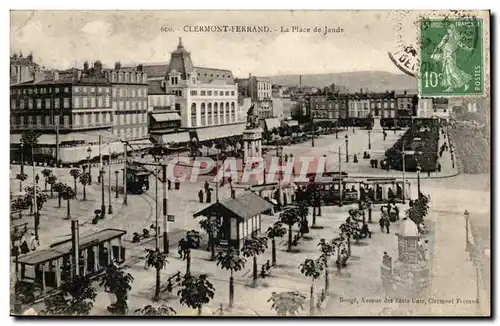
(451, 57)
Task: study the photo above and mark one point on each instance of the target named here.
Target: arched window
(203, 114)
(113, 77)
(215, 115)
(210, 117)
(193, 115)
(227, 113)
(233, 112)
(132, 78)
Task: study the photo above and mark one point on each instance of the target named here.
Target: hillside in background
(374, 81)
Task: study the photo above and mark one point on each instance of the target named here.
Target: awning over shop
(140, 144)
(174, 138)
(220, 131)
(291, 123)
(90, 137)
(272, 123)
(42, 140)
(168, 116)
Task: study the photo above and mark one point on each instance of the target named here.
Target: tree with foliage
(68, 194)
(273, 232)
(287, 303)
(75, 299)
(290, 216)
(75, 173)
(150, 310)
(196, 291)
(21, 177)
(252, 247)
(312, 268)
(118, 282)
(211, 225)
(157, 259)
(302, 212)
(85, 180)
(29, 139)
(46, 174)
(41, 199)
(339, 246)
(59, 187)
(326, 249)
(349, 229)
(230, 260)
(52, 181)
(190, 241)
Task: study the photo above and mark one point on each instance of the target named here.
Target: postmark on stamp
(451, 57)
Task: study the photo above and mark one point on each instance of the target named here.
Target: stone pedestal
(376, 125)
(252, 143)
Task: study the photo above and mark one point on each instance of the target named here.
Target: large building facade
(22, 69)
(259, 89)
(208, 98)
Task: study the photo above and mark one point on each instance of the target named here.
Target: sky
(63, 39)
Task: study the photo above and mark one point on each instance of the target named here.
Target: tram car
(330, 190)
(137, 179)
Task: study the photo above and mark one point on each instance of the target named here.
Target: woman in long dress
(453, 77)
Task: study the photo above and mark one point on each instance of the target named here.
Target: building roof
(180, 61)
(155, 70)
(243, 207)
(22, 61)
(65, 248)
(154, 88)
(211, 75)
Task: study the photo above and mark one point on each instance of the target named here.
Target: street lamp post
(369, 140)
(466, 216)
(419, 168)
(89, 151)
(103, 205)
(110, 208)
(116, 182)
(346, 149)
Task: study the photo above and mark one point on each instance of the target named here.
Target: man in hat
(33, 242)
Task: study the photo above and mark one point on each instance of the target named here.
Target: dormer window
(193, 80)
(174, 80)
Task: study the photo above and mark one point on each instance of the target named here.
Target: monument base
(376, 125)
(252, 143)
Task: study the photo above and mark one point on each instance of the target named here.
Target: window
(216, 93)
(30, 91)
(174, 80)
(38, 103)
(99, 102)
(193, 80)
(38, 120)
(47, 103)
(30, 120)
(21, 104)
(127, 105)
(194, 93)
(121, 105)
(66, 102)
(107, 102)
(76, 89)
(66, 89)
(114, 92)
(232, 93)
(35, 91)
(56, 103)
(92, 102)
(13, 104)
(209, 93)
(47, 120)
(99, 89)
(202, 93)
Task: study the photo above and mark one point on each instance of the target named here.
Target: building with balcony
(259, 89)
(406, 104)
(207, 97)
(69, 111)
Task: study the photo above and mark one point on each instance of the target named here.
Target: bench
(173, 281)
(265, 270)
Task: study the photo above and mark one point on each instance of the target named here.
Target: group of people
(25, 244)
(389, 213)
(207, 192)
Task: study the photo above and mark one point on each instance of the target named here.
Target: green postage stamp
(451, 57)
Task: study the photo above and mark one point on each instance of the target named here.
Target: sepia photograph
(285, 163)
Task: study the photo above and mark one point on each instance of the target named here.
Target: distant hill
(374, 81)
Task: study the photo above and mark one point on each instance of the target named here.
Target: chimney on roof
(20, 54)
(85, 66)
(14, 56)
(300, 81)
(118, 65)
(30, 57)
(56, 74)
(140, 67)
(405, 92)
(361, 90)
(98, 68)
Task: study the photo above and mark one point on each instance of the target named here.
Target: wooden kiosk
(241, 217)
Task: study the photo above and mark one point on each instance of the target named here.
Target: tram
(137, 179)
(332, 190)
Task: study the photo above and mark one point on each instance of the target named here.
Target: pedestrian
(33, 242)
(230, 180)
(423, 247)
(429, 173)
(375, 162)
(381, 222)
(387, 225)
(206, 186)
(200, 196)
(169, 184)
(209, 196)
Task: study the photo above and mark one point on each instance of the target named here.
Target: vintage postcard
(250, 163)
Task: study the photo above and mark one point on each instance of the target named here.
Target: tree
(349, 229)
(46, 174)
(190, 241)
(85, 180)
(29, 139)
(231, 261)
(75, 173)
(162, 310)
(118, 282)
(303, 211)
(75, 299)
(290, 216)
(21, 177)
(196, 291)
(41, 199)
(252, 247)
(312, 268)
(157, 259)
(59, 187)
(338, 245)
(211, 225)
(273, 232)
(52, 180)
(68, 194)
(287, 303)
(326, 249)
